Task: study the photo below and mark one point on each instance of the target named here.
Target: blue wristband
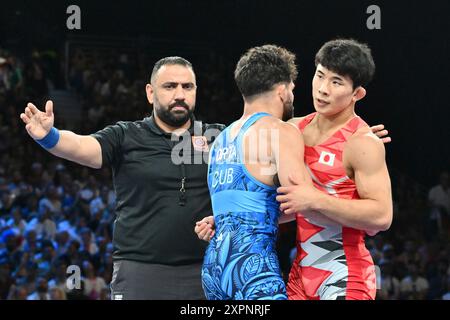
(50, 140)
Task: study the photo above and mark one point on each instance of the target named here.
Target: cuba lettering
(222, 177)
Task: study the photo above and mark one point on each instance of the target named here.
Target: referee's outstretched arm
(84, 150)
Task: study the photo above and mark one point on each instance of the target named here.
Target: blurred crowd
(55, 214)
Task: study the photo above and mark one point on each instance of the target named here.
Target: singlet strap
(247, 124)
(306, 120)
(251, 120)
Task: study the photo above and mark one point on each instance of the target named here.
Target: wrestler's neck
(326, 122)
(169, 129)
(268, 104)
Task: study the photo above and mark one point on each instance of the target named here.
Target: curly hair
(260, 68)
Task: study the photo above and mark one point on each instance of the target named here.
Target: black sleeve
(216, 127)
(111, 139)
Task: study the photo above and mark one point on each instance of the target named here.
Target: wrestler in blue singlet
(241, 262)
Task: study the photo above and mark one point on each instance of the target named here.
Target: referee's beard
(174, 117)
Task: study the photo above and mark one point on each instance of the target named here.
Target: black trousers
(134, 280)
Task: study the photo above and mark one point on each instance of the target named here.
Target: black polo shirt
(154, 220)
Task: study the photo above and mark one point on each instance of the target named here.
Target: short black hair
(170, 61)
(260, 68)
(348, 57)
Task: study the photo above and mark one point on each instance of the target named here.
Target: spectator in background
(56, 293)
(51, 201)
(390, 285)
(16, 75)
(101, 205)
(36, 173)
(11, 243)
(60, 275)
(44, 226)
(438, 279)
(30, 209)
(375, 247)
(388, 254)
(71, 198)
(44, 257)
(17, 293)
(41, 292)
(410, 255)
(6, 280)
(61, 242)
(88, 244)
(93, 284)
(5, 85)
(73, 255)
(31, 244)
(414, 286)
(439, 202)
(16, 223)
(35, 78)
(21, 274)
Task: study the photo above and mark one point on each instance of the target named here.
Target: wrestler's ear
(150, 92)
(278, 89)
(359, 93)
(281, 90)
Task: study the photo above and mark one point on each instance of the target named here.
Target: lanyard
(182, 198)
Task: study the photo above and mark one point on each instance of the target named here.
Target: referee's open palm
(38, 123)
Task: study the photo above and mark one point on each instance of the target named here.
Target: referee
(159, 174)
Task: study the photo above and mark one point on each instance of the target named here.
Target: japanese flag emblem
(327, 158)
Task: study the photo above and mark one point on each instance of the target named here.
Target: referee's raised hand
(37, 123)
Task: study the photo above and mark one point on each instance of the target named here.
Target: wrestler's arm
(373, 211)
(289, 155)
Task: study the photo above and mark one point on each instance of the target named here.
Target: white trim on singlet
(329, 186)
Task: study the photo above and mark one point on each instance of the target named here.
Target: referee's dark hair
(169, 61)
